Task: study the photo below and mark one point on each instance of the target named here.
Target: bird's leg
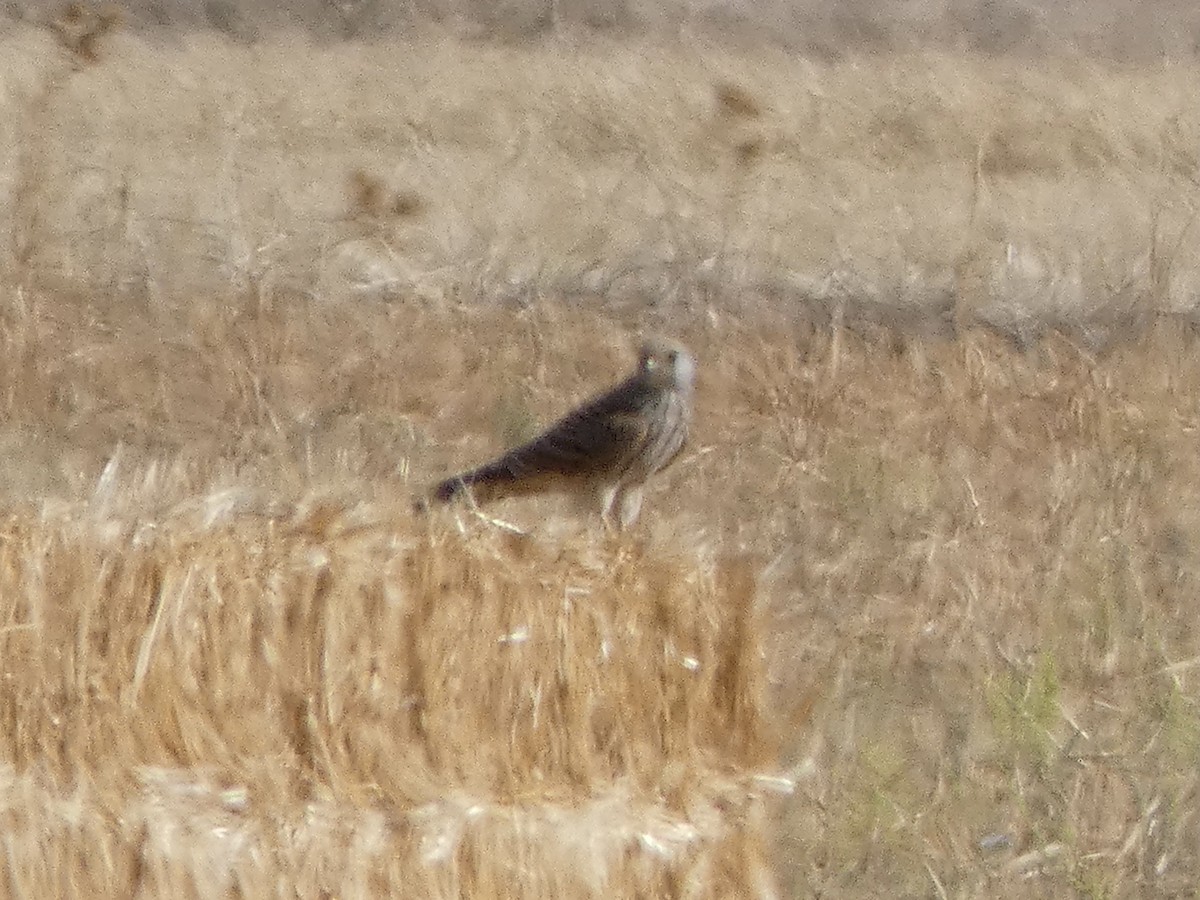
(629, 504)
(607, 496)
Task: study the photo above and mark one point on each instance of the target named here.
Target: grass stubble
(912, 615)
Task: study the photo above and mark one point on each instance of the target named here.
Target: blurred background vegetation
(1111, 29)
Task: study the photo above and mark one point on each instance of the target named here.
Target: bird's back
(592, 441)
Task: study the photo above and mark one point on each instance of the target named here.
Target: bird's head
(667, 364)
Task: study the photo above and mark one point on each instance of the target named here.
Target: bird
(604, 450)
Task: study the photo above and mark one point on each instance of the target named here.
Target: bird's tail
(450, 488)
(486, 483)
(508, 476)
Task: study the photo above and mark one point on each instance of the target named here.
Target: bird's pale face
(668, 364)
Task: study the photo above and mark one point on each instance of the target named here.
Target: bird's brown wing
(597, 438)
(579, 446)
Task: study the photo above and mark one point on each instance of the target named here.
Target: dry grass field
(913, 615)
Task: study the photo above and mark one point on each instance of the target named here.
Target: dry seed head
(80, 27)
(748, 151)
(371, 195)
(407, 203)
(368, 193)
(735, 101)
